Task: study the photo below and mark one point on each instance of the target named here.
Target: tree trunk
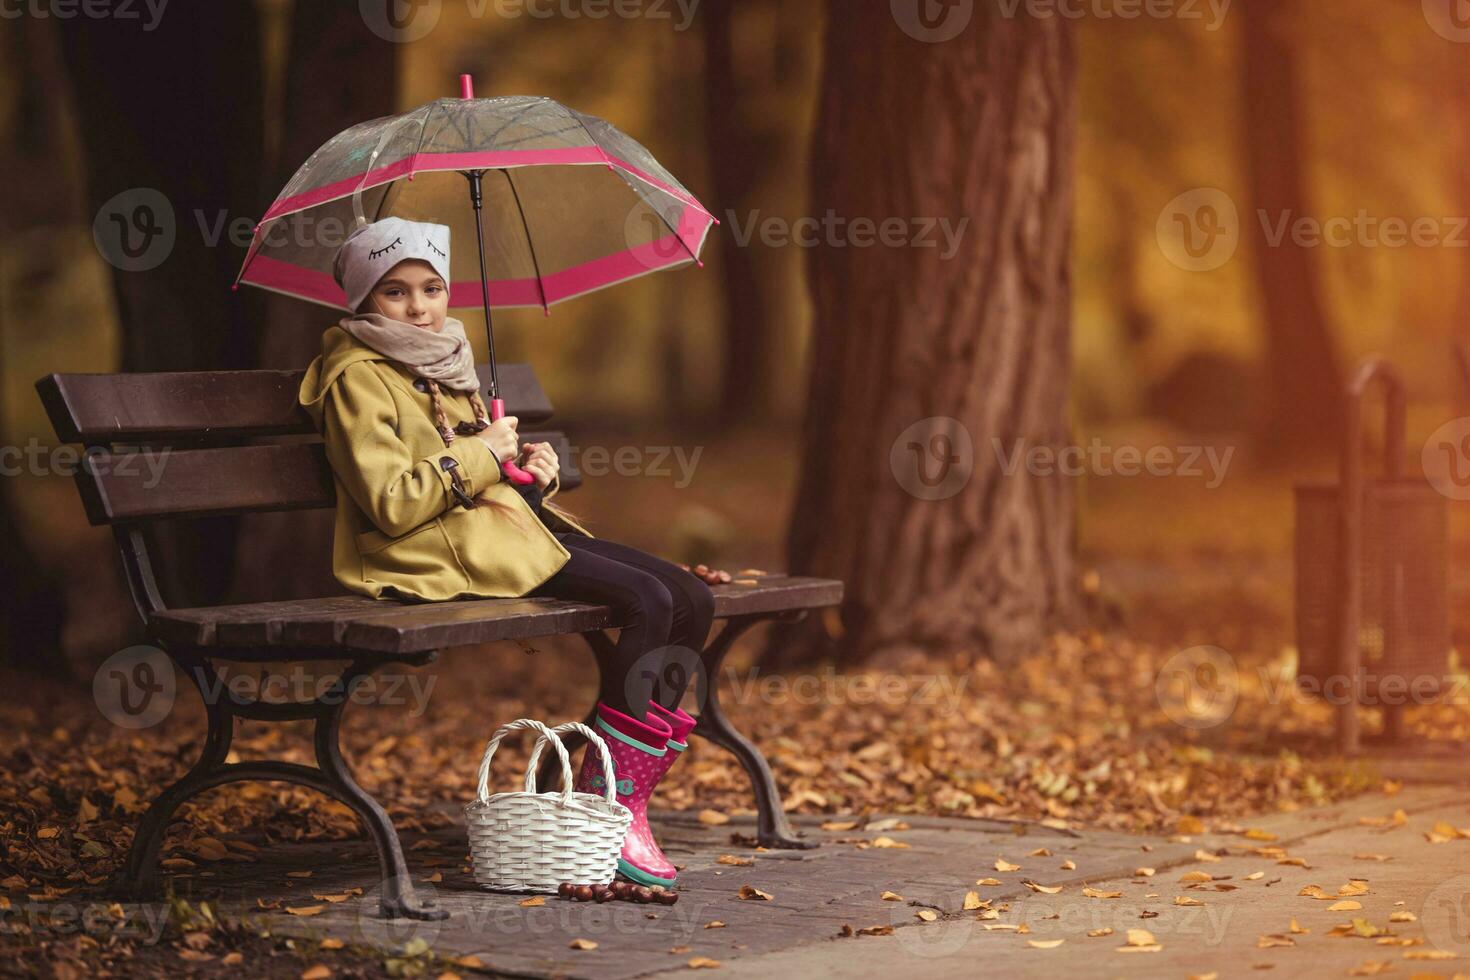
(928, 369)
(735, 160)
(176, 111)
(1303, 401)
(338, 74)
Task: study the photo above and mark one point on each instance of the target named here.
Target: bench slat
(218, 405)
(228, 480)
(379, 626)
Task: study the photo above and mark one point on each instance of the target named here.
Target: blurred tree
(337, 73)
(1303, 399)
(978, 132)
(32, 604)
(746, 134)
(176, 109)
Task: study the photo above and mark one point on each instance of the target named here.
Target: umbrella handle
(512, 472)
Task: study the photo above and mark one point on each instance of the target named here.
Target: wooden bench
(239, 443)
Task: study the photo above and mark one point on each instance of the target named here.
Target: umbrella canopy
(571, 204)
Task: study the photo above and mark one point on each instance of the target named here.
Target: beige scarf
(445, 357)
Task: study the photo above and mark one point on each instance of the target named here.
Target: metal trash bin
(1372, 564)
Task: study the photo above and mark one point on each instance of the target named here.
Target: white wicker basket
(530, 841)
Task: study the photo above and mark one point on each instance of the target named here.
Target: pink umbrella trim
(667, 252)
(473, 160)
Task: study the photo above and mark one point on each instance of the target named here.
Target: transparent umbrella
(560, 203)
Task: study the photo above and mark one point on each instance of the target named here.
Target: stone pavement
(816, 893)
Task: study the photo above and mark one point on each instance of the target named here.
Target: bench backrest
(215, 443)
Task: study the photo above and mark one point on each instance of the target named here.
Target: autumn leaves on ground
(1082, 733)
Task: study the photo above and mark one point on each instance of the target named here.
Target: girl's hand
(541, 462)
(501, 437)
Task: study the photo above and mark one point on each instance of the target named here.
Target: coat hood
(339, 350)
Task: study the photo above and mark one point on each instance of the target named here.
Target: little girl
(423, 512)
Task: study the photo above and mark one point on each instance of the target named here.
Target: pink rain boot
(638, 750)
(682, 724)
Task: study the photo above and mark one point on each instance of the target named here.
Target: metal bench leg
(139, 879)
(773, 829)
(396, 896)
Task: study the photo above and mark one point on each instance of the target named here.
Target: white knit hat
(370, 251)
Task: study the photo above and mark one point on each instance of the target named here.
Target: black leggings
(668, 612)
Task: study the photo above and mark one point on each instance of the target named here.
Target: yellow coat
(400, 533)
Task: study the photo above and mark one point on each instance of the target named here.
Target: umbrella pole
(497, 405)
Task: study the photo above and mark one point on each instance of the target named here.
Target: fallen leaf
(888, 842)
(713, 818)
(304, 910)
(988, 881)
(1044, 889)
(534, 901)
(927, 915)
(972, 901)
(582, 944)
(734, 860)
(1099, 893)
(702, 963)
(1001, 864)
(1044, 943)
(891, 897)
(1274, 939)
(1095, 933)
(1186, 900)
(714, 924)
(1347, 905)
(750, 893)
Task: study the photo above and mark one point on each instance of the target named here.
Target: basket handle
(520, 724)
(593, 739)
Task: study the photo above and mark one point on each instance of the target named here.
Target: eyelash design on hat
(435, 248)
(386, 248)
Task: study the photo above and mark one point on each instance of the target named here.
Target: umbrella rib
(530, 243)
